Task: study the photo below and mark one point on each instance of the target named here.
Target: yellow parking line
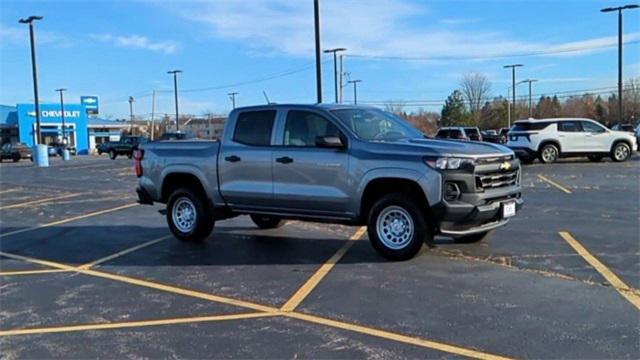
(544, 178)
(40, 201)
(315, 279)
(64, 221)
(130, 324)
(31, 272)
(124, 252)
(622, 288)
(146, 283)
(452, 349)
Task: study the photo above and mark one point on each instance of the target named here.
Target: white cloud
(19, 35)
(138, 42)
(373, 28)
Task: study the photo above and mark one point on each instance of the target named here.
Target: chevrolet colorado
(342, 164)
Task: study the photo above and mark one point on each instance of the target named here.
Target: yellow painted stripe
(31, 272)
(435, 345)
(315, 279)
(9, 190)
(64, 221)
(544, 178)
(40, 201)
(124, 252)
(146, 283)
(131, 324)
(625, 290)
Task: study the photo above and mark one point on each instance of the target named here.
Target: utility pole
(513, 86)
(175, 93)
(619, 10)
(530, 106)
(316, 21)
(153, 113)
(232, 96)
(508, 109)
(355, 89)
(335, 68)
(341, 87)
(64, 133)
(131, 101)
(34, 72)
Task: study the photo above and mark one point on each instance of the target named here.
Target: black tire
(203, 221)
(620, 152)
(595, 158)
(129, 155)
(15, 158)
(112, 154)
(267, 222)
(549, 154)
(527, 160)
(470, 239)
(382, 240)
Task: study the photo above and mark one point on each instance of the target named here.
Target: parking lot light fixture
(355, 90)
(513, 86)
(175, 93)
(530, 105)
(335, 69)
(131, 101)
(64, 131)
(619, 10)
(34, 71)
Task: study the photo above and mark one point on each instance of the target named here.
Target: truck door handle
(284, 160)
(232, 158)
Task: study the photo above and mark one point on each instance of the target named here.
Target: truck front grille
(497, 179)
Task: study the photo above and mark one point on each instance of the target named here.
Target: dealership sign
(90, 103)
(56, 113)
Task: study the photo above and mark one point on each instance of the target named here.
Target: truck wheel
(129, 155)
(267, 222)
(16, 158)
(594, 158)
(549, 154)
(397, 227)
(112, 154)
(621, 152)
(469, 239)
(189, 217)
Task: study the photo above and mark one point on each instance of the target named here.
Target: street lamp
(34, 71)
(529, 81)
(131, 101)
(175, 93)
(619, 10)
(355, 89)
(335, 68)
(513, 85)
(64, 134)
(232, 96)
(316, 22)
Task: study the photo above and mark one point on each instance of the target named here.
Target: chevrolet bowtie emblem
(505, 165)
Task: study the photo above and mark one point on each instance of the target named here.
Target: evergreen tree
(454, 112)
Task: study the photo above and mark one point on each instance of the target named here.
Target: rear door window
(254, 127)
(569, 126)
(530, 126)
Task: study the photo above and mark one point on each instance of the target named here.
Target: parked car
(177, 135)
(473, 133)
(56, 149)
(551, 139)
(125, 146)
(15, 152)
(342, 164)
(624, 127)
(457, 133)
(493, 136)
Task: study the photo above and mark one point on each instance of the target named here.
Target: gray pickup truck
(341, 164)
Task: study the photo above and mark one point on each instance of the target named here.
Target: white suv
(550, 139)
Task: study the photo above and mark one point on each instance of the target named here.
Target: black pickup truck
(125, 146)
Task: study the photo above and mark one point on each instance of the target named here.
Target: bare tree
(475, 88)
(394, 107)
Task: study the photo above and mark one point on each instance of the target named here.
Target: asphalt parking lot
(85, 272)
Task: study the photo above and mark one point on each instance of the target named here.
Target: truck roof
(305, 106)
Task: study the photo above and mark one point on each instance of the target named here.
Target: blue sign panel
(90, 103)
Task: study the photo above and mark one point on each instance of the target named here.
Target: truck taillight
(138, 155)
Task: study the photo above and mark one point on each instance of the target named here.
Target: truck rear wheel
(112, 154)
(267, 222)
(189, 217)
(397, 227)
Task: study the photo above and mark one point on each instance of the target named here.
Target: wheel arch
(553, 142)
(378, 187)
(178, 179)
(621, 140)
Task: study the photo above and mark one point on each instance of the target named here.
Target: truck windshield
(374, 124)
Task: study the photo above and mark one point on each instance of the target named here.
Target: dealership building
(81, 128)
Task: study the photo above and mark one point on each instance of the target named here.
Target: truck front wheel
(188, 215)
(267, 222)
(112, 154)
(397, 227)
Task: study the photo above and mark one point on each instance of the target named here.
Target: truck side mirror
(329, 142)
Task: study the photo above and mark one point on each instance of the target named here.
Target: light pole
(131, 101)
(316, 22)
(340, 79)
(175, 93)
(64, 134)
(232, 96)
(335, 68)
(355, 89)
(529, 81)
(34, 71)
(619, 10)
(513, 85)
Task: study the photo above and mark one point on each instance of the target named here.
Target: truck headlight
(448, 163)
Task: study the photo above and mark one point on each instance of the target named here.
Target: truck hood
(458, 147)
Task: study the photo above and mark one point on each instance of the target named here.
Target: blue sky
(114, 49)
